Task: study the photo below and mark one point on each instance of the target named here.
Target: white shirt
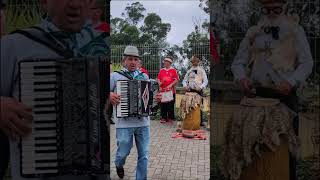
(263, 69)
(186, 80)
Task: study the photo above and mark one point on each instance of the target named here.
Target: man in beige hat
(278, 54)
(130, 127)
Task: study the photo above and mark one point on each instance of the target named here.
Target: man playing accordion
(130, 127)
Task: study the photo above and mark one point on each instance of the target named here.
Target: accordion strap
(124, 74)
(37, 34)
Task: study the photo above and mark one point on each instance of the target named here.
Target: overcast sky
(182, 15)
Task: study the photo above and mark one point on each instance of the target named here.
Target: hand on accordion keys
(114, 98)
(15, 119)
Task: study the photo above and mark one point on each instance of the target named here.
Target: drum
(271, 165)
(257, 140)
(190, 109)
(192, 120)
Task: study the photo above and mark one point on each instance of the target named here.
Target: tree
(154, 28)
(127, 30)
(134, 13)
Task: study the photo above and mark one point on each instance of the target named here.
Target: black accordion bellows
(69, 130)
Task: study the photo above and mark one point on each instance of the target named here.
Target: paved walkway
(172, 159)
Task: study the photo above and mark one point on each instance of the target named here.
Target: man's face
(67, 15)
(2, 22)
(195, 61)
(273, 9)
(131, 63)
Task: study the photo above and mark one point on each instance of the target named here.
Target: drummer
(279, 57)
(195, 79)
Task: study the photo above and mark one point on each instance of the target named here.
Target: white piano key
(27, 64)
(31, 171)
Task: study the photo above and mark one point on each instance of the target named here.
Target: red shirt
(167, 76)
(103, 27)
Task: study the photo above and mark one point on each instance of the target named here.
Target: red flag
(213, 48)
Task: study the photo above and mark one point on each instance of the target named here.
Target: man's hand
(114, 98)
(246, 87)
(15, 119)
(186, 88)
(284, 88)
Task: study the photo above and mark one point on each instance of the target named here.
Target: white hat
(131, 51)
(168, 59)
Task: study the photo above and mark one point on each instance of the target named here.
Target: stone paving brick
(170, 159)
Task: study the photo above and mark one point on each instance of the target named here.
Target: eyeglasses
(275, 10)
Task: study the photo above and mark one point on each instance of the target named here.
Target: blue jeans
(124, 143)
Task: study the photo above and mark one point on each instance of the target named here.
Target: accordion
(69, 133)
(136, 98)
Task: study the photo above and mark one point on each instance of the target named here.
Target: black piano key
(45, 138)
(46, 67)
(46, 161)
(44, 82)
(45, 112)
(45, 151)
(45, 144)
(44, 89)
(44, 128)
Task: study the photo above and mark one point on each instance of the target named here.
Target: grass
(21, 16)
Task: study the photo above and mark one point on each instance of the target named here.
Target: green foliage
(154, 28)
(22, 15)
(134, 13)
(116, 67)
(127, 31)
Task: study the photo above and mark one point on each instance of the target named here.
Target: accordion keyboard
(123, 107)
(39, 83)
(68, 135)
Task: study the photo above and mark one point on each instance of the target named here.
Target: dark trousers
(291, 101)
(4, 154)
(167, 109)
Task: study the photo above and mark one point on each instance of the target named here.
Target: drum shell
(192, 120)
